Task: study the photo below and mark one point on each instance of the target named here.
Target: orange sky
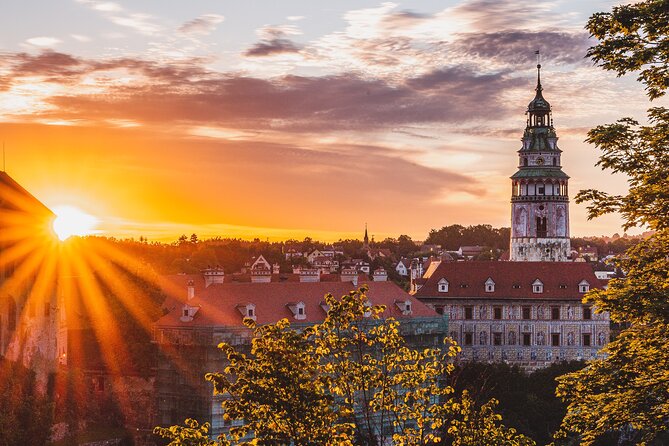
(297, 121)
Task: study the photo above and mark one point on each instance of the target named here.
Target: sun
(71, 221)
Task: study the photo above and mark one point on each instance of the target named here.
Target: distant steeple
(365, 243)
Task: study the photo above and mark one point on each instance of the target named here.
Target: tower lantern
(539, 198)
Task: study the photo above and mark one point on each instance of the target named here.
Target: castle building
(202, 314)
(539, 201)
(30, 317)
(527, 311)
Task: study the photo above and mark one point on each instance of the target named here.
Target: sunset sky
(278, 119)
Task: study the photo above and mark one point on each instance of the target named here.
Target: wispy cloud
(203, 25)
(142, 23)
(43, 41)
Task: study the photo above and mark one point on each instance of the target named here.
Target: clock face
(540, 161)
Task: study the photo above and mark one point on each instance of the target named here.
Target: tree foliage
(634, 38)
(351, 379)
(627, 392)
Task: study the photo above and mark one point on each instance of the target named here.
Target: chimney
(191, 289)
(213, 276)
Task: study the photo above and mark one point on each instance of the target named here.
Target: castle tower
(539, 201)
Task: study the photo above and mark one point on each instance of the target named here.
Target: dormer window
(325, 307)
(247, 310)
(583, 287)
(537, 286)
(188, 313)
(489, 285)
(404, 306)
(298, 310)
(443, 286)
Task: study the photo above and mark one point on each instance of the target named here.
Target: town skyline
(298, 121)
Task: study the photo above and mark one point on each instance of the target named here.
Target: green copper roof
(540, 172)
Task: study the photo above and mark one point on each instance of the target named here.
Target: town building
(201, 316)
(527, 311)
(30, 312)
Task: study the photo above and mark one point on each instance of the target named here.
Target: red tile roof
(218, 303)
(513, 280)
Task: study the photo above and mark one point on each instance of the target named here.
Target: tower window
(524, 161)
(554, 161)
(541, 227)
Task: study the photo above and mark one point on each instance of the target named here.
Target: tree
(349, 380)
(627, 390)
(634, 38)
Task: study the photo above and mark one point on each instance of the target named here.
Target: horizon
(301, 120)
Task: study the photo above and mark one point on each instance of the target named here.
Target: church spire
(366, 239)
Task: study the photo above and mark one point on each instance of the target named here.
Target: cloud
(43, 41)
(143, 23)
(274, 41)
(498, 15)
(404, 18)
(272, 47)
(517, 47)
(203, 25)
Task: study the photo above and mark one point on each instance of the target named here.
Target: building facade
(527, 311)
(204, 314)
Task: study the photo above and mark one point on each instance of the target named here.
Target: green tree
(349, 380)
(627, 390)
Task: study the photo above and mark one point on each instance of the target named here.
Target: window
(469, 313)
(540, 190)
(554, 161)
(439, 309)
(587, 313)
(586, 339)
(469, 338)
(555, 313)
(443, 286)
(524, 161)
(527, 338)
(100, 384)
(463, 285)
(497, 338)
(537, 286)
(250, 312)
(300, 311)
(563, 286)
(186, 312)
(583, 287)
(541, 225)
(516, 286)
(407, 307)
(555, 339)
(527, 312)
(489, 286)
(497, 312)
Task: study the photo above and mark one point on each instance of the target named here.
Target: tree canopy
(625, 394)
(351, 379)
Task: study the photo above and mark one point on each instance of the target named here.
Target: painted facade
(539, 201)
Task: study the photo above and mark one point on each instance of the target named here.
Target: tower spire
(366, 240)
